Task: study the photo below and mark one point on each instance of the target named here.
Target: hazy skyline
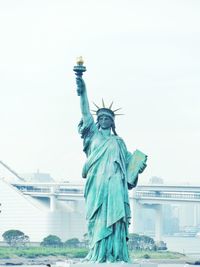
(143, 54)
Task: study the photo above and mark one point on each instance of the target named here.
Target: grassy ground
(156, 255)
(42, 252)
(34, 252)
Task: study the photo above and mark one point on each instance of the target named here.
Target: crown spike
(116, 109)
(119, 114)
(94, 110)
(96, 105)
(111, 105)
(103, 103)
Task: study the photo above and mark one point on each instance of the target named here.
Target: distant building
(189, 215)
(156, 180)
(38, 177)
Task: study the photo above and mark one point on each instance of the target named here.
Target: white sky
(143, 54)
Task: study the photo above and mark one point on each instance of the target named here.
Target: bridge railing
(47, 189)
(170, 195)
(138, 194)
(33, 189)
(68, 190)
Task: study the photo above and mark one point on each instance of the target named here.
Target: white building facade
(36, 218)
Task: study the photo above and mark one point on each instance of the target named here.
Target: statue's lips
(105, 126)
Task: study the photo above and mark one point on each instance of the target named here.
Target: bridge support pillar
(135, 209)
(195, 223)
(158, 224)
(52, 199)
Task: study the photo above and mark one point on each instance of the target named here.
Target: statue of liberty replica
(110, 171)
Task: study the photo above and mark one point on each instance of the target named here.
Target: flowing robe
(106, 194)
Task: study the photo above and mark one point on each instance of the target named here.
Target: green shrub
(146, 256)
(141, 242)
(51, 241)
(72, 243)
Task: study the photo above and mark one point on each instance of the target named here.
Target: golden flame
(79, 61)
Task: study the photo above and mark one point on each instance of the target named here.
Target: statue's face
(105, 122)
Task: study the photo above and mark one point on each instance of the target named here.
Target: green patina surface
(110, 171)
(107, 170)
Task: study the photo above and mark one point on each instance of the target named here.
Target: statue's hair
(112, 126)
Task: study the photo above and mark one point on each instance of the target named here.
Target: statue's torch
(79, 68)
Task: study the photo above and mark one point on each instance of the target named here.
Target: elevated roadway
(153, 196)
(150, 194)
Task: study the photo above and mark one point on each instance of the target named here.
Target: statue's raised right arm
(84, 103)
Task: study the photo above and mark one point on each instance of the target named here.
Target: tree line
(16, 238)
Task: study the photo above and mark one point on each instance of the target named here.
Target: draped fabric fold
(106, 194)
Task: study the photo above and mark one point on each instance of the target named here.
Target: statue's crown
(107, 111)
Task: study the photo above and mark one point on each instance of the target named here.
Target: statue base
(122, 264)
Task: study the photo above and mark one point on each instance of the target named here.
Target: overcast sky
(143, 54)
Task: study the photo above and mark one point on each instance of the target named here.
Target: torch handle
(79, 69)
